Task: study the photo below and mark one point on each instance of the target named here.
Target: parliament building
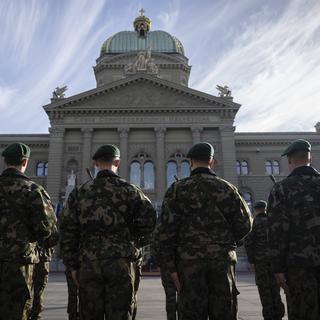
(142, 103)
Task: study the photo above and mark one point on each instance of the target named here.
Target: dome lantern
(142, 24)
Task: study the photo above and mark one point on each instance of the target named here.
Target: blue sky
(268, 52)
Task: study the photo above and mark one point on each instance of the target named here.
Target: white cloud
(170, 18)
(6, 96)
(274, 69)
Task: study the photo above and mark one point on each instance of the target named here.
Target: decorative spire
(142, 24)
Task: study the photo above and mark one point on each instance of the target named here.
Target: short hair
(13, 161)
(301, 155)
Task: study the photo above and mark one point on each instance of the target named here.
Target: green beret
(107, 151)
(298, 145)
(16, 151)
(260, 205)
(201, 151)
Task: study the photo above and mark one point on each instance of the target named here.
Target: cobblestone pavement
(151, 299)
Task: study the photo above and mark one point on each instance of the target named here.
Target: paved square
(151, 299)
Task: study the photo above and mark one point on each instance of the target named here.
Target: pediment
(141, 92)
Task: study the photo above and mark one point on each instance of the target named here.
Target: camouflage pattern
(304, 294)
(15, 290)
(26, 216)
(107, 289)
(269, 292)
(171, 295)
(98, 228)
(203, 217)
(36, 221)
(73, 297)
(40, 280)
(256, 244)
(207, 290)
(137, 267)
(294, 235)
(166, 280)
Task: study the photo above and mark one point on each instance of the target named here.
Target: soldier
(101, 220)
(73, 297)
(256, 244)
(41, 277)
(26, 216)
(166, 280)
(203, 216)
(294, 233)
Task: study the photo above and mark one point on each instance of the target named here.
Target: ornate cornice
(117, 57)
(174, 66)
(59, 114)
(257, 142)
(42, 145)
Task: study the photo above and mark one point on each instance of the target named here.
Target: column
(55, 163)
(123, 170)
(196, 134)
(228, 151)
(86, 152)
(160, 165)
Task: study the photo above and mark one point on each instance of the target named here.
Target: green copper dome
(128, 41)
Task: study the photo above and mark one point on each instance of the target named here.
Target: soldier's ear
(25, 162)
(116, 162)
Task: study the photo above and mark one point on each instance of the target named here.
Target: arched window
(238, 167)
(273, 167)
(268, 167)
(46, 168)
(248, 198)
(276, 167)
(148, 176)
(244, 168)
(185, 169)
(135, 173)
(40, 169)
(172, 171)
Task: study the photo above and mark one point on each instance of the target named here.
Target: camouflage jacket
(29, 220)
(203, 216)
(256, 242)
(294, 220)
(102, 219)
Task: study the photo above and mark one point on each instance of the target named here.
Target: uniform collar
(14, 173)
(202, 170)
(304, 171)
(106, 173)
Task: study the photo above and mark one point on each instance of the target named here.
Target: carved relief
(135, 148)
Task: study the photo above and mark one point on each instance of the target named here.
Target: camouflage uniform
(294, 239)
(202, 218)
(73, 297)
(166, 280)
(98, 226)
(137, 267)
(256, 245)
(26, 216)
(40, 280)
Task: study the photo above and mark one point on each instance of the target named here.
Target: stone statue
(143, 63)
(224, 92)
(72, 179)
(59, 93)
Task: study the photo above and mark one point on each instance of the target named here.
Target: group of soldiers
(106, 221)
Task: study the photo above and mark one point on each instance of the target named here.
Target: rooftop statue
(224, 92)
(59, 93)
